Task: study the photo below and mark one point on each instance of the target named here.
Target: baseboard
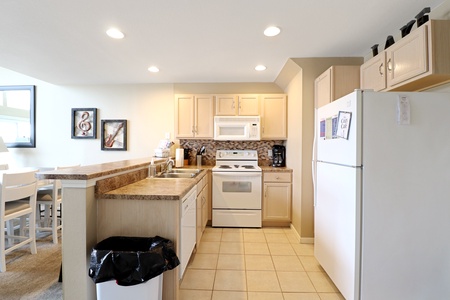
(302, 240)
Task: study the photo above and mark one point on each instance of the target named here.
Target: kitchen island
(113, 199)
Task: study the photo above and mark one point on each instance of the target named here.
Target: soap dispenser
(152, 169)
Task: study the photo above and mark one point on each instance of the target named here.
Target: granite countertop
(156, 188)
(275, 169)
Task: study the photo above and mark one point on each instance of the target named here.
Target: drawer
(277, 176)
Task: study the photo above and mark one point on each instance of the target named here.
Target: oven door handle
(234, 174)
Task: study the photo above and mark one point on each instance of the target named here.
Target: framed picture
(114, 135)
(84, 123)
(343, 124)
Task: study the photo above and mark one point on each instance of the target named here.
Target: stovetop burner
(236, 161)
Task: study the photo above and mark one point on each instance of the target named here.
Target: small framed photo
(114, 135)
(84, 123)
(343, 124)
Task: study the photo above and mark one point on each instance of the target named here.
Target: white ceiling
(64, 42)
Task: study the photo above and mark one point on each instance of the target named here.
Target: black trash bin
(130, 261)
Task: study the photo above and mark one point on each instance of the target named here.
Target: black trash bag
(131, 260)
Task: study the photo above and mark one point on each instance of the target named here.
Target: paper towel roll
(179, 157)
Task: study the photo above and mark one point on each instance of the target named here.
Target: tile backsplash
(209, 158)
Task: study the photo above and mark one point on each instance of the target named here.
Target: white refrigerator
(382, 195)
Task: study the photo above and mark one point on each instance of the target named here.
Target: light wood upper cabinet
(273, 116)
(237, 105)
(194, 116)
(373, 73)
(335, 82)
(407, 58)
(416, 62)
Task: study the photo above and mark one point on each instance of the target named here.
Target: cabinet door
(198, 218)
(277, 201)
(204, 207)
(184, 116)
(322, 89)
(273, 117)
(248, 105)
(226, 105)
(204, 116)
(373, 73)
(407, 58)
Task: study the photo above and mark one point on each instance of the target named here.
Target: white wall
(148, 109)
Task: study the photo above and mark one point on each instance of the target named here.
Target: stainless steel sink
(178, 174)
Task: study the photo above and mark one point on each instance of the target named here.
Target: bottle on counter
(152, 169)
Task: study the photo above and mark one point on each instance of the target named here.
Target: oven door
(237, 190)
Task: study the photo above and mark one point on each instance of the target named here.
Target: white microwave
(237, 128)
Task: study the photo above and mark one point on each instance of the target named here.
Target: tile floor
(255, 264)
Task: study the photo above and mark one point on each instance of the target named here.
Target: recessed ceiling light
(272, 31)
(260, 68)
(115, 33)
(153, 69)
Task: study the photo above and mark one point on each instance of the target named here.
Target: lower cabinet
(202, 207)
(277, 198)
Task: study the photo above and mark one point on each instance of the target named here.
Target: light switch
(403, 111)
(269, 153)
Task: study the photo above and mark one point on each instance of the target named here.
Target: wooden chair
(51, 198)
(17, 200)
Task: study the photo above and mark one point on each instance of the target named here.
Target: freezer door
(338, 136)
(337, 225)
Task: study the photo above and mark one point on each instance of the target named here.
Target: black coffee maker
(278, 156)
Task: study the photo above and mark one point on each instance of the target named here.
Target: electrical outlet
(167, 135)
(269, 153)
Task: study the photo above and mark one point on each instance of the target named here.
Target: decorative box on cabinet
(335, 82)
(416, 62)
(194, 116)
(277, 198)
(237, 105)
(273, 116)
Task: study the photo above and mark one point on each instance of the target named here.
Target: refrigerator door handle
(313, 170)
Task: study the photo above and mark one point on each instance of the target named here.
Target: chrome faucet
(169, 164)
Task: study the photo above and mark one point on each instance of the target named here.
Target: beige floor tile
(213, 229)
(231, 262)
(303, 249)
(256, 248)
(310, 263)
(252, 230)
(254, 237)
(273, 229)
(297, 282)
(195, 295)
(204, 261)
(232, 237)
(293, 238)
(276, 238)
(322, 282)
(259, 262)
(230, 280)
(287, 263)
(281, 249)
(211, 236)
(331, 296)
(301, 296)
(262, 281)
(208, 247)
(231, 248)
(198, 279)
(264, 296)
(240, 230)
(228, 295)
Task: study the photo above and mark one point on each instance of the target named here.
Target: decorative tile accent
(209, 158)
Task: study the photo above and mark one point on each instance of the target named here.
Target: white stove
(237, 189)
